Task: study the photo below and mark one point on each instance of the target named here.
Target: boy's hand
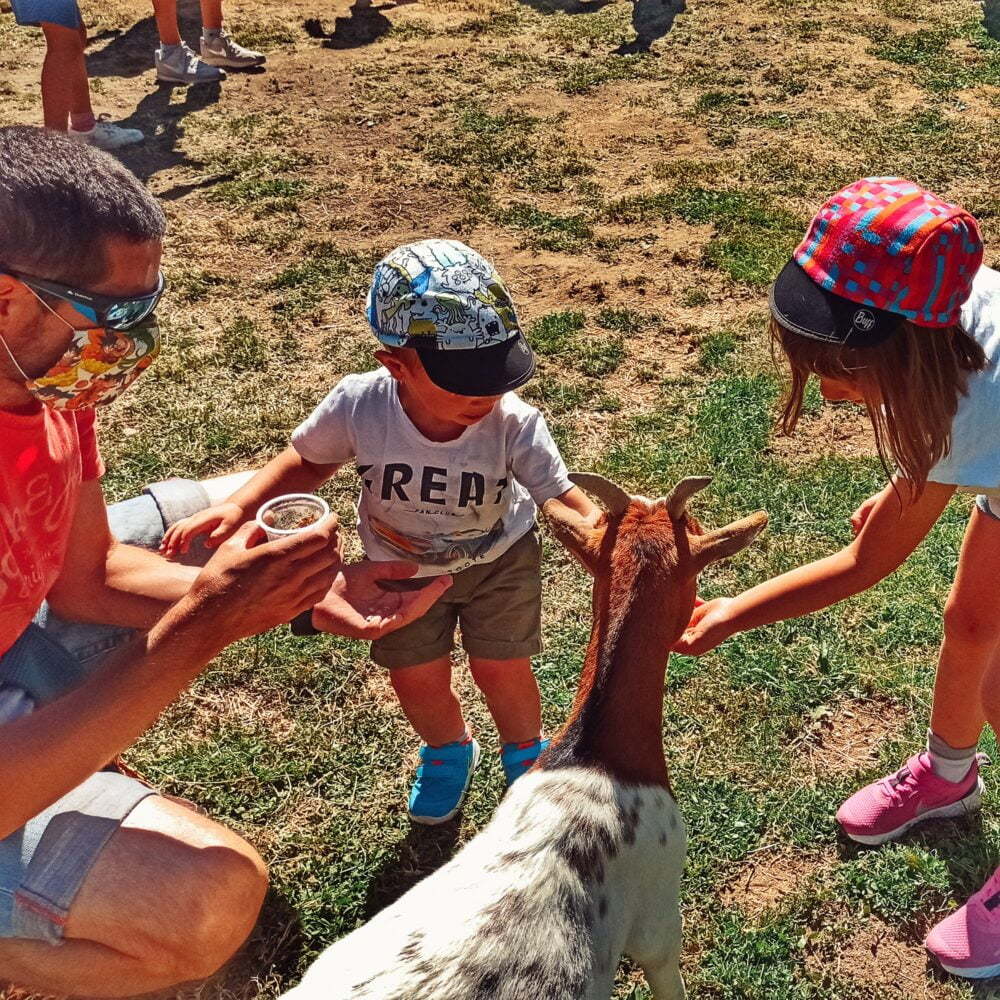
(357, 607)
(708, 627)
(219, 521)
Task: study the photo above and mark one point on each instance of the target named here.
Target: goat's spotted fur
(574, 869)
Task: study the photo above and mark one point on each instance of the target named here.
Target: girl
(886, 301)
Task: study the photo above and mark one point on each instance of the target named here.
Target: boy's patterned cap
(889, 246)
(446, 301)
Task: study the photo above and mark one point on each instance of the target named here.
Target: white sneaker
(223, 51)
(107, 135)
(179, 64)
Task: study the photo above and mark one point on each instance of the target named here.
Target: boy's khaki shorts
(497, 604)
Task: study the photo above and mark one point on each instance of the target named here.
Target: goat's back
(539, 906)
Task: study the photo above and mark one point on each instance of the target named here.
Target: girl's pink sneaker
(967, 943)
(887, 808)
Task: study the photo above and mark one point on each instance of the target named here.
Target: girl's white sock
(948, 762)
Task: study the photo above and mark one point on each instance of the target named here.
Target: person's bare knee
(178, 891)
(64, 41)
(970, 623)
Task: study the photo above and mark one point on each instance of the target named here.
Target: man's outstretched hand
(357, 607)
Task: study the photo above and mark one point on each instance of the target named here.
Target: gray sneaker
(179, 64)
(107, 135)
(223, 51)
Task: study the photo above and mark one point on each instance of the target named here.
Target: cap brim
(480, 371)
(802, 306)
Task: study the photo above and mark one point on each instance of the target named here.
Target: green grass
(945, 59)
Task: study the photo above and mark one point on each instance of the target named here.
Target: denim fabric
(43, 865)
(34, 12)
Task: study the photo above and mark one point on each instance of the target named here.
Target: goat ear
(727, 541)
(581, 539)
(614, 498)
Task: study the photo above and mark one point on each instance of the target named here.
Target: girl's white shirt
(973, 463)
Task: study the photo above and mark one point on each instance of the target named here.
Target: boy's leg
(512, 695)
(64, 75)
(429, 702)
(501, 631)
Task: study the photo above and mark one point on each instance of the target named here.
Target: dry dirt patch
(767, 878)
(849, 737)
(882, 965)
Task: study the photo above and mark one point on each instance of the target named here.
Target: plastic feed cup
(290, 514)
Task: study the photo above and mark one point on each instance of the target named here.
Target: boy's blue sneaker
(442, 780)
(517, 758)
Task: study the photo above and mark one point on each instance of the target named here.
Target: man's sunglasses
(114, 312)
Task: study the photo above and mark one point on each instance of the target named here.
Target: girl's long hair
(911, 384)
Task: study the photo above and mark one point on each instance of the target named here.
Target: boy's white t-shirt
(973, 463)
(445, 505)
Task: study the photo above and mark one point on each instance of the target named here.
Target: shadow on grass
(163, 123)
(363, 25)
(991, 17)
(651, 19)
(421, 852)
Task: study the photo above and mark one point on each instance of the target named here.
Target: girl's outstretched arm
(897, 524)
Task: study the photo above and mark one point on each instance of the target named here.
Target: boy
(66, 103)
(454, 467)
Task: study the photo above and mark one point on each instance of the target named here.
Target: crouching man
(107, 888)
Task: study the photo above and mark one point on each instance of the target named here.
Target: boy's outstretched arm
(896, 525)
(288, 472)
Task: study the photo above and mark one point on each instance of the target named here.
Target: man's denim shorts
(65, 13)
(44, 864)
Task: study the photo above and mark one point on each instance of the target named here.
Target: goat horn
(682, 492)
(610, 494)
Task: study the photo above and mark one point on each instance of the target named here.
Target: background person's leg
(64, 76)
(171, 898)
(165, 12)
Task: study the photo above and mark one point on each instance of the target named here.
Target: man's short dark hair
(60, 200)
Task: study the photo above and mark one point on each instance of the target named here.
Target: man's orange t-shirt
(45, 456)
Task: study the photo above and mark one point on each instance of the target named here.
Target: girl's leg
(211, 14)
(429, 702)
(512, 695)
(64, 75)
(166, 21)
(971, 634)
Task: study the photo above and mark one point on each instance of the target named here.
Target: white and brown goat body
(583, 858)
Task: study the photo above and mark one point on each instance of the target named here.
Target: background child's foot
(887, 808)
(967, 942)
(442, 780)
(179, 64)
(517, 758)
(218, 49)
(107, 135)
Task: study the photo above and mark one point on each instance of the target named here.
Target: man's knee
(225, 889)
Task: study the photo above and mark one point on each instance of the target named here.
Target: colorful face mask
(97, 366)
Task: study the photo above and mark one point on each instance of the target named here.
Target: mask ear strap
(13, 360)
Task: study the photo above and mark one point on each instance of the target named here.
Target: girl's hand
(220, 521)
(708, 627)
(859, 517)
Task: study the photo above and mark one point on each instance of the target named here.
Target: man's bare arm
(243, 590)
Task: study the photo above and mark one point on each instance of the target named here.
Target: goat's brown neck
(617, 717)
